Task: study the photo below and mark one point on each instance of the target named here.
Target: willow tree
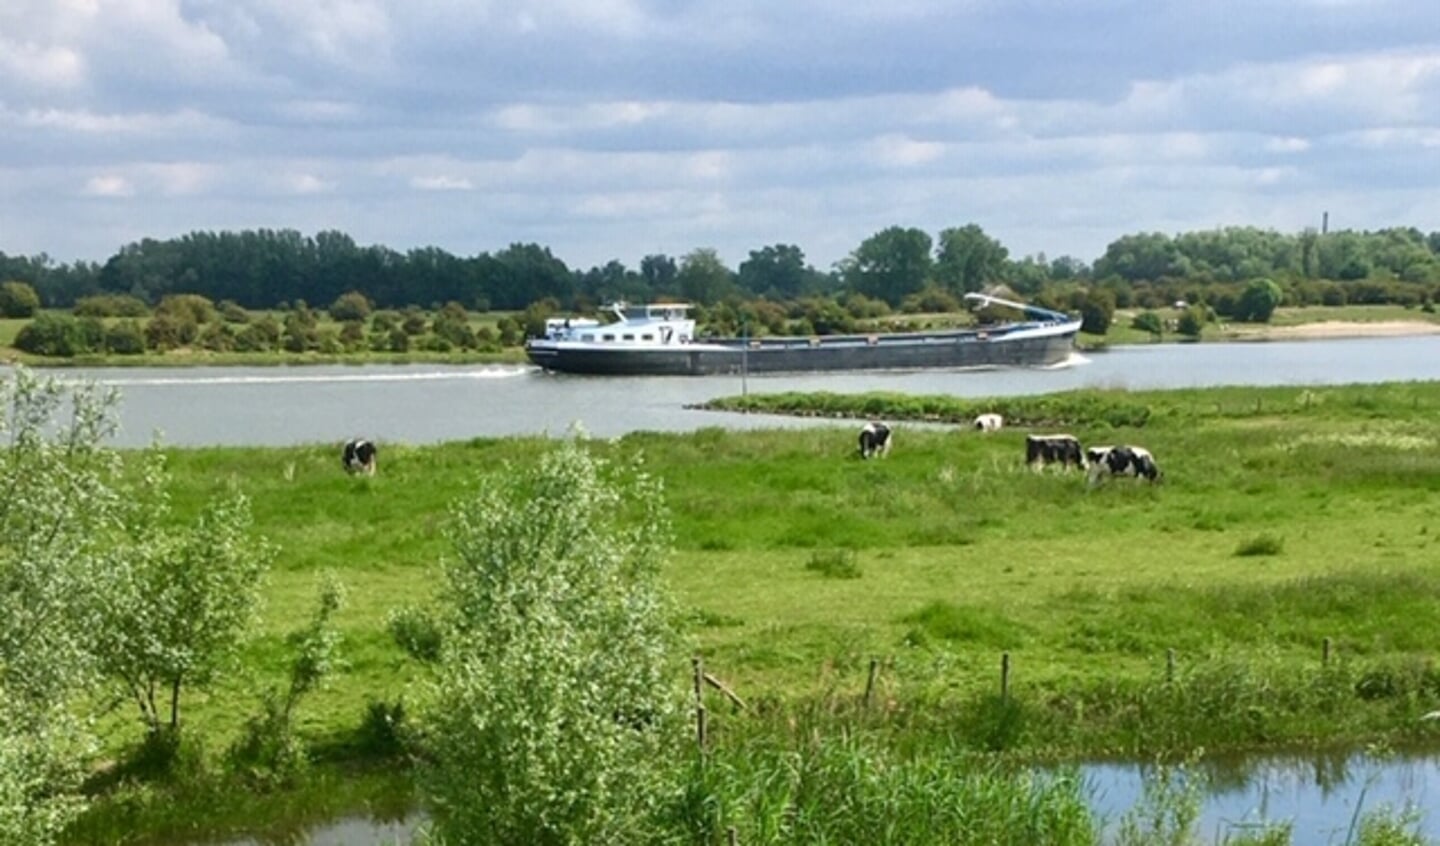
(60, 502)
(556, 714)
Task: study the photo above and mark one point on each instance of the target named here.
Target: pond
(1321, 796)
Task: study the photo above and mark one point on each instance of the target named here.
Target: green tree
(779, 272)
(889, 265)
(968, 260)
(18, 299)
(59, 508)
(1258, 301)
(1192, 322)
(179, 598)
(555, 718)
(704, 278)
(1097, 309)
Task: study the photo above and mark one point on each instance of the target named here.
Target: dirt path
(1334, 329)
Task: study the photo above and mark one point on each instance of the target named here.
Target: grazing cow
(1064, 450)
(359, 456)
(989, 422)
(874, 440)
(1121, 461)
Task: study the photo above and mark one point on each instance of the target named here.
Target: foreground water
(1322, 798)
(278, 406)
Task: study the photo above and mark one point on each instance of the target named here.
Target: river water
(276, 406)
(433, 403)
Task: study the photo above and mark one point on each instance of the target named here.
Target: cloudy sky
(611, 129)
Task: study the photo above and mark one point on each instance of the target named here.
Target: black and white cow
(1121, 461)
(1064, 450)
(359, 456)
(989, 422)
(874, 440)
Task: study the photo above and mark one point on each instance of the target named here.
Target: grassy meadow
(1276, 590)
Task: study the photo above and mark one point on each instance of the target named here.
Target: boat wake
(1075, 359)
(481, 374)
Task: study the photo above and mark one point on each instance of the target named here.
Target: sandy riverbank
(1333, 329)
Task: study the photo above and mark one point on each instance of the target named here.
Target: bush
(835, 564)
(125, 338)
(416, 632)
(187, 308)
(352, 305)
(553, 597)
(1258, 301)
(1149, 321)
(53, 335)
(1096, 311)
(18, 299)
(231, 312)
(111, 305)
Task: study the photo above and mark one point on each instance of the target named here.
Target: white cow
(989, 422)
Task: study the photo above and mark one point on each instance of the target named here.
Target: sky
(615, 129)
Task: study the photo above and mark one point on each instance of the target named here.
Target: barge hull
(705, 359)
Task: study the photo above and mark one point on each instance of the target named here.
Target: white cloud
(441, 183)
(108, 185)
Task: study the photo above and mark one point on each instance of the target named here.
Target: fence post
(1325, 651)
(731, 837)
(1005, 675)
(698, 666)
(700, 726)
(870, 681)
(1169, 665)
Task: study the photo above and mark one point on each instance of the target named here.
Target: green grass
(1137, 618)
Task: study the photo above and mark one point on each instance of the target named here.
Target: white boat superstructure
(651, 325)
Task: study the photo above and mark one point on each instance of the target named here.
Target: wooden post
(731, 837)
(1005, 675)
(1169, 665)
(699, 667)
(1325, 651)
(870, 682)
(700, 726)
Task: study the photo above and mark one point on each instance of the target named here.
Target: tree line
(258, 269)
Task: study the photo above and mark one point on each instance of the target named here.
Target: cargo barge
(659, 340)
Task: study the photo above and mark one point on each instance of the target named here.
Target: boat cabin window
(588, 336)
(629, 337)
(609, 337)
(647, 337)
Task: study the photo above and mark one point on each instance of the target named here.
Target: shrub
(191, 308)
(110, 305)
(1258, 301)
(231, 312)
(416, 632)
(54, 335)
(1149, 321)
(1096, 311)
(18, 299)
(554, 604)
(835, 564)
(1261, 545)
(125, 338)
(351, 305)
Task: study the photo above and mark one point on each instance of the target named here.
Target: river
(276, 406)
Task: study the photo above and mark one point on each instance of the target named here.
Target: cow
(989, 422)
(874, 440)
(1064, 450)
(1121, 461)
(359, 456)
